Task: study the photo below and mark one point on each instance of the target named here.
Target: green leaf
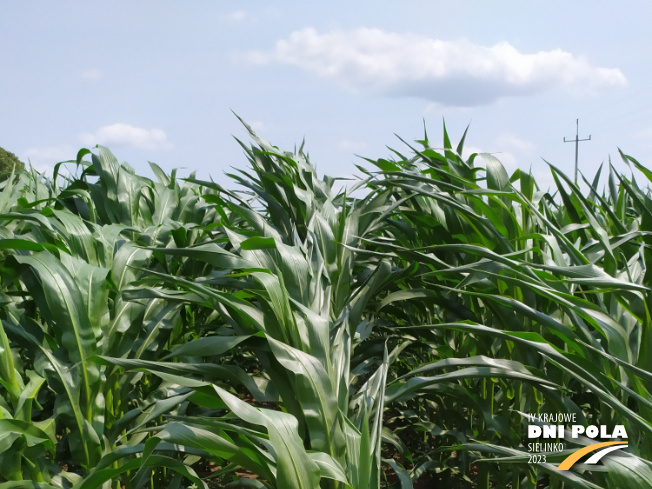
(258, 243)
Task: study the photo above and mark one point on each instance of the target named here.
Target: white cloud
(454, 73)
(121, 134)
(511, 141)
(348, 145)
(512, 151)
(92, 74)
(257, 126)
(237, 16)
(545, 180)
(44, 159)
(508, 159)
(645, 135)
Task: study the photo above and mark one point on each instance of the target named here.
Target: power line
(577, 142)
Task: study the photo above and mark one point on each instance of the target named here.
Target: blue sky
(157, 80)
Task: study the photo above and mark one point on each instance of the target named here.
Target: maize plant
(282, 333)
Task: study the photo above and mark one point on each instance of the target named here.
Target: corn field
(289, 333)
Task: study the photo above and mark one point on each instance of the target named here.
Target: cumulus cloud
(44, 159)
(507, 158)
(257, 126)
(121, 134)
(512, 151)
(645, 135)
(237, 16)
(454, 73)
(513, 142)
(348, 145)
(91, 74)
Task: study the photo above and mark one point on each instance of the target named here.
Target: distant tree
(7, 162)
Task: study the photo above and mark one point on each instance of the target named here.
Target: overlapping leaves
(287, 335)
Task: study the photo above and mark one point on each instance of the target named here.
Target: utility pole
(577, 142)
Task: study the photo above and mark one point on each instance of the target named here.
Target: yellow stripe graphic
(575, 456)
